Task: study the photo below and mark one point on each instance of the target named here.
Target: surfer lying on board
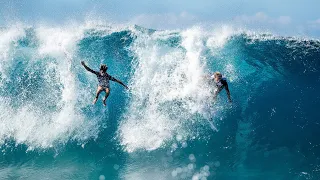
(220, 83)
(103, 78)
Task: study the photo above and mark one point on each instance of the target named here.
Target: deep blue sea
(167, 126)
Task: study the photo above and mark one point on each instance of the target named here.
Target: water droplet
(190, 166)
(206, 168)
(184, 144)
(174, 173)
(178, 137)
(101, 177)
(116, 166)
(192, 158)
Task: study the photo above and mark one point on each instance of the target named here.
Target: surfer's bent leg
(99, 90)
(107, 94)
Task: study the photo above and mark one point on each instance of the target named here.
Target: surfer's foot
(104, 102)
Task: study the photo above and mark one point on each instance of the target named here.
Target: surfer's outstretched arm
(87, 68)
(228, 92)
(120, 82)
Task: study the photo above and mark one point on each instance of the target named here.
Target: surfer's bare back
(103, 78)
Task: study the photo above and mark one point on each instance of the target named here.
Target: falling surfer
(103, 79)
(220, 84)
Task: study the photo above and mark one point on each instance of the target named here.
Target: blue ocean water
(167, 125)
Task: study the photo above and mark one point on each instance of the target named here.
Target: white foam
(219, 36)
(167, 89)
(38, 130)
(28, 124)
(8, 39)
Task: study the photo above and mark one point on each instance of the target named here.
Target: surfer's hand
(82, 62)
(127, 88)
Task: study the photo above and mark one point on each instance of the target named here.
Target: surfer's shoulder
(223, 80)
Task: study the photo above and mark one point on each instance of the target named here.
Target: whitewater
(167, 125)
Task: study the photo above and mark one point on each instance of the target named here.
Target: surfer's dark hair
(103, 67)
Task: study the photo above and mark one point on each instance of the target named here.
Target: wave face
(167, 126)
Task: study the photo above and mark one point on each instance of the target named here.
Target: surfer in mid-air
(220, 84)
(103, 78)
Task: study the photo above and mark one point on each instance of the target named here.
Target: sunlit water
(167, 125)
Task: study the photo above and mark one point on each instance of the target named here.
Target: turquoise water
(166, 126)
